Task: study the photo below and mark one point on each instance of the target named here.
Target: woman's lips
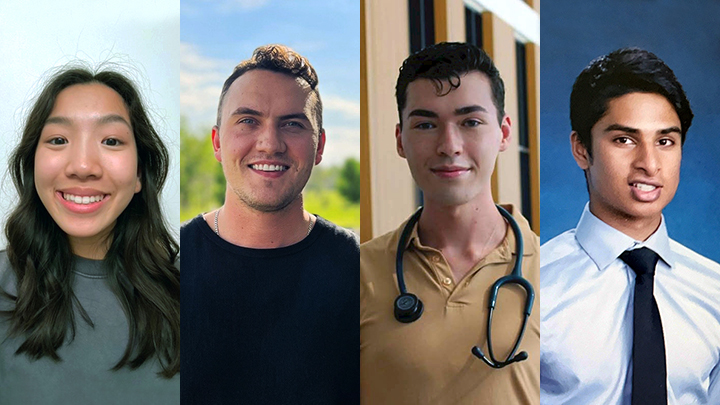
(82, 204)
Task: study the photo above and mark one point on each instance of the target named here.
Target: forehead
(643, 111)
(474, 89)
(271, 93)
(91, 99)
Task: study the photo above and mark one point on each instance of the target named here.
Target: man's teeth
(644, 187)
(78, 199)
(269, 168)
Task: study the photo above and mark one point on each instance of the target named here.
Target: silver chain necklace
(217, 231)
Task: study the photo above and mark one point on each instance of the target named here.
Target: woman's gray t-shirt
(84, 375)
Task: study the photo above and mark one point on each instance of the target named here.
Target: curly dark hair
(141, 256)
(624, 71)
(448, 61)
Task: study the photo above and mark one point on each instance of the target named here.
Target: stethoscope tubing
(515, 277)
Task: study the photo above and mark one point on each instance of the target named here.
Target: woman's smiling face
(86, 165)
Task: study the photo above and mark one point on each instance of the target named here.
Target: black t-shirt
(270, 326)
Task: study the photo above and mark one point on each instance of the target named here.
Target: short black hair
(624, 71)
(448, 61)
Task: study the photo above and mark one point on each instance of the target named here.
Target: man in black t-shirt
(269, 291)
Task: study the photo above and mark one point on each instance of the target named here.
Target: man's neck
(465, 233)
(637, 228)
(244, 226)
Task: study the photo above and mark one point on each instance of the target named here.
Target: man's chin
(269, 205)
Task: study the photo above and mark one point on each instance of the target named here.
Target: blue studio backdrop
(683, 34)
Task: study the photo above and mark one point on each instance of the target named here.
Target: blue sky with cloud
(216, 35)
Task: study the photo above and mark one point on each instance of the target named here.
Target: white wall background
(142, 36)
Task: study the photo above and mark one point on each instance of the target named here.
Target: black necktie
(649, 370)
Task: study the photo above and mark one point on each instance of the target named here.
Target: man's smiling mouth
(644, 187)
(270, 168)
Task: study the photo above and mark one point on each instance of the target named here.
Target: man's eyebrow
(295, 116)
(630, 130)
(670, 130)
(422, 113)
(470, 109)
(248, 111)
(622, 128)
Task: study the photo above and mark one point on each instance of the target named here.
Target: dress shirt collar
(604, 243)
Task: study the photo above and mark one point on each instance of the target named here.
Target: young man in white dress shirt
(607, 336)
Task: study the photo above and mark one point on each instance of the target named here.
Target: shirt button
(436, 258)
(447, 281)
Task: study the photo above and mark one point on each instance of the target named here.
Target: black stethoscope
(408, 307)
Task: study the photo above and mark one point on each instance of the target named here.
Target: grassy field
(329, 204)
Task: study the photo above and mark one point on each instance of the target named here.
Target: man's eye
(425, 125)
(249, 121)
(294, 124)
(472, 123)
(666, 142)
(623, 140)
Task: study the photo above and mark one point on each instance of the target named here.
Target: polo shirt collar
(506, 248)
(604, 244)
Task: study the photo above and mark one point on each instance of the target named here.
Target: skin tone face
(268, 140)
(635, 166)
(451, 142)
(86, 168)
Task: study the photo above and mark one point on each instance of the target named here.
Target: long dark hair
(140, 258)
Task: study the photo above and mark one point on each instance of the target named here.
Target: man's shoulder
(381, 243)
(690, 258)
(557, 248)
(337, 233)
(191, 225)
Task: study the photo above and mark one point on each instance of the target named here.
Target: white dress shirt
(586, 310)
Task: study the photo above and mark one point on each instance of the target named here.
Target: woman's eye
(57, 141)
(112, 142)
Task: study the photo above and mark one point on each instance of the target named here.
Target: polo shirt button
(447, 281)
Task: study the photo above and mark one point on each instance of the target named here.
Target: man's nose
(270, 140)
(449, 141)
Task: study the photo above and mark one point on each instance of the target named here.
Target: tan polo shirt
(429, 361)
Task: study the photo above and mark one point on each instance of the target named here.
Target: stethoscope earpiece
(408, 308)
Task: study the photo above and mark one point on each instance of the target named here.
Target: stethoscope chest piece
(408, 308)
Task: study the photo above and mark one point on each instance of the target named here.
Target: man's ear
(505, 127)
(581, 155)
(398, 141)
(216, 142)
(320, 147)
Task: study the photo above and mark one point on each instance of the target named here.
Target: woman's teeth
(77, 199)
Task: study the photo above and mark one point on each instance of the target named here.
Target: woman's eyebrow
(105, 119)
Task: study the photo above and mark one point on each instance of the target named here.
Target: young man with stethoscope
(426, 288)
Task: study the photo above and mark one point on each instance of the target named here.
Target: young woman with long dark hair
(89, 283)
